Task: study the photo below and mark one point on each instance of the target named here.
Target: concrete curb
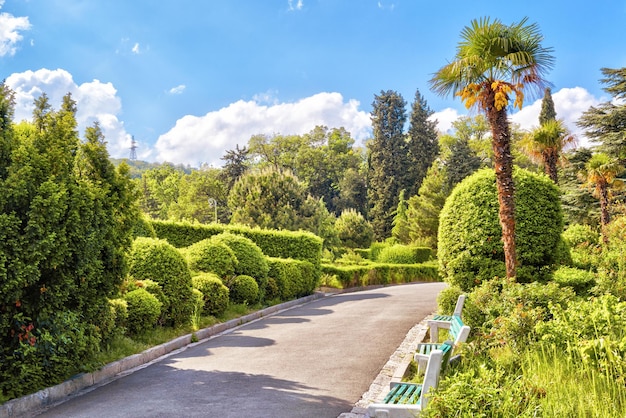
(393, 371)
(30, 404)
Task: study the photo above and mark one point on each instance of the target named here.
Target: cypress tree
(547, 107)
(387, 160)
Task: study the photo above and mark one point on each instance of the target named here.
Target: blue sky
(190, 79)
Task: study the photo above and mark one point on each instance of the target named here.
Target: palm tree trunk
(550, 159)
(605, 217)
(503, 164)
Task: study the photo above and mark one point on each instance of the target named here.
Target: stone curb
(29, 404)
(393, 371)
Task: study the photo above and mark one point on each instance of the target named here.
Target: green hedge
(294, 278)
(379, 273)
(299, 245)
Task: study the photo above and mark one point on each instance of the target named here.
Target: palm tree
(493, 62)
(600, 174)
(546, 143)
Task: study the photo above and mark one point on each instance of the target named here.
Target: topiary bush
(353, 230)
(396, 254)
(580, 280)
(470, 246)
(243, 289)
(251, 260)
(157, 260)
(214, 293)
(212, 256)
(143, 309)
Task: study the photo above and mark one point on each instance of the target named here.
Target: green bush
(470, 246)
(447, 298)
(243, 289)
(144, 310)
(379, 273)
(214, 293)
(251, 260)
(375, 249)
(211, 256)
(143, 228)
(353, 230)
(404, 254)
(157, 260)
(580, 280)
(294, 278)
(272, 291)
(577, 234)
(120, 307)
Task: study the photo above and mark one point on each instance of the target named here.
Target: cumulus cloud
(10, 27)
(95, 101)
(569, 103)
(135, 48)
(204, 139)
(178, 89)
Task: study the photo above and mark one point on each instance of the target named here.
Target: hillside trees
(65, 224)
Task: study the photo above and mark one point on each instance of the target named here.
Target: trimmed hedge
(300, 245)
(211, 256)
(379, 273)
(404, 254)
(250, 258)
(294, 278)
(157, 260)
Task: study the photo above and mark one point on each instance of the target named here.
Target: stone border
(393, 371)
(36, 402)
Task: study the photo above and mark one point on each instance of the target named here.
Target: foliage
(387, 160)
(214, 293)
(353, 230)
(470, 249)
(545, 145)
(403, 254)
(195, 192)
(211, 256)
(143, 310)
(580, 280)
(576, 235)
(272, 198)
(379, 273)
(157, 260)
(424, 208)
(243, 289)
(120, 309)
(293, 278)
(250, 259)
(600, 175)
(400, 229)
(422, 145)
(236, 163)
(300, 245)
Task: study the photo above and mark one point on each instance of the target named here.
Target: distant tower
(133, 149)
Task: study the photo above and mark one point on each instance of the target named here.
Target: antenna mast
(133, 149)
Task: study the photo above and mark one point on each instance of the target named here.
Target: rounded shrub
(470, 248)
(251, 260)
(159, 261)
(577, 234)
(211, 256)
(214, 293)
(243, 289)
(144, 310)
(120, 307)
(579, 280)
(353, 230)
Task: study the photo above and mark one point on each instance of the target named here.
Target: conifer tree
(422, 144)
(547, 107)
(387, 160)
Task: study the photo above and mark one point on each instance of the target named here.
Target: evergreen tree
(461, 163)
(236, 163)
(400, 230)
(547, 107)
(387, 160)
(422, 144)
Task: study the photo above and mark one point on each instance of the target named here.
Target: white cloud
(95, 101)
(445, 118)
(10, 27)
(298, 5)
(204, 139)
(569, 103)
(135, 48)
(178, 89)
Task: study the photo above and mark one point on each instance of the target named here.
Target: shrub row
(299, 245)
(293, 278)
(380, 273)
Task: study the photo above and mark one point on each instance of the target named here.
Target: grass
(123, 346)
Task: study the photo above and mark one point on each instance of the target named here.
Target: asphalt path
(313, 360)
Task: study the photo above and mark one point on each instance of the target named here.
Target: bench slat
(404, 394)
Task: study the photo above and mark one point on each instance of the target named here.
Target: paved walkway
(313, 360)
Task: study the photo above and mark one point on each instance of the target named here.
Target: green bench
(406, 400)
(457, 331)
(447, 321)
